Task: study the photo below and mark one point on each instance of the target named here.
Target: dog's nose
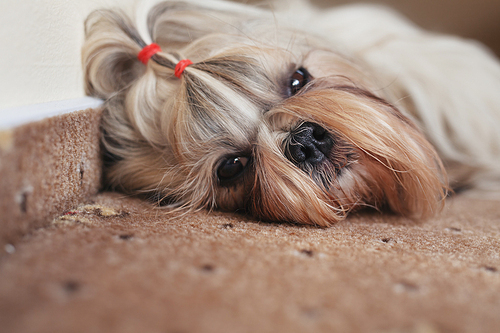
(310, 143)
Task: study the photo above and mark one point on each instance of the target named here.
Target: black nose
(310, 144)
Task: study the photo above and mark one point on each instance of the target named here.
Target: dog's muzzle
(309, 145)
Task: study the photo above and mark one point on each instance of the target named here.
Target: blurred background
(41, 39)
(477, 19)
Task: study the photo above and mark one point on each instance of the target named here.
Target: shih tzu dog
(292, 114)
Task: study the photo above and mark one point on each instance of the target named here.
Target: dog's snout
(310, 144)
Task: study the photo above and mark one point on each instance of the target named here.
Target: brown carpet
(47, 167)
(116, 265)
(74, 260)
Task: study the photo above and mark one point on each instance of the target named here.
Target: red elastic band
(181, 66)
(147, 52)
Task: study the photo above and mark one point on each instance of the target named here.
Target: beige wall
(40, 49)
(41, 39)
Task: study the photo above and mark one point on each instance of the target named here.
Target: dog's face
(271, 122)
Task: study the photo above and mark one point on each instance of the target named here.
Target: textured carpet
(115, 264)
(47, 167)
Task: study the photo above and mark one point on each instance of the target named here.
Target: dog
(292, 113)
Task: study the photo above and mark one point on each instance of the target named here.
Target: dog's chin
(321, 195)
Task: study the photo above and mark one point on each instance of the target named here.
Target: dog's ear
(175, 24)
(109, 54)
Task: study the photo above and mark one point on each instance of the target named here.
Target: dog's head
(267, 120)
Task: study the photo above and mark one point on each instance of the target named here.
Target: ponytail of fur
(114, 73)
(109, 54)
(152, 113)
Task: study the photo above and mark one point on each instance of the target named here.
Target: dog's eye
(299, 79)
(231, 168)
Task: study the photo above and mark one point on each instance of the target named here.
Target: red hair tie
(181, 66)
(147, 52)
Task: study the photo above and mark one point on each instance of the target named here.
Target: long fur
(406, 109)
